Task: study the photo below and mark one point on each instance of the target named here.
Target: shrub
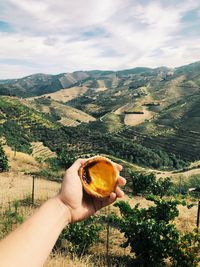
(3, 160)
(184, 185)
(147, 184)
(80, 236)
(187, 252)
(153, 237)
(65, 158)
(10, 217)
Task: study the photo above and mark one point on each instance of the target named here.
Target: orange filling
(100, 177)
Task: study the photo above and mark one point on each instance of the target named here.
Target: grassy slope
(15, 186)
(68, 115)
(178, 96)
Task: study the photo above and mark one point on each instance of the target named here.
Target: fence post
(198, 215)
(33, 189)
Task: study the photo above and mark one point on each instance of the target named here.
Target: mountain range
(108, 111)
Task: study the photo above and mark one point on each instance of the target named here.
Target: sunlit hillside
(145, 119)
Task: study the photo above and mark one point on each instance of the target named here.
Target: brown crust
(87, 187)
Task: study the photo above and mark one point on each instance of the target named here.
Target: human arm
(31, 243)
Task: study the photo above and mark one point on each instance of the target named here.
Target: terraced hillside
(184, 144)
(119, 113)
(17, 121)
(175, 130)
(21, 126)
(64, 114)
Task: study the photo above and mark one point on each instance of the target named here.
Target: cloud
(65, 36)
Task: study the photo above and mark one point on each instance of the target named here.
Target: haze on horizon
(64, 36)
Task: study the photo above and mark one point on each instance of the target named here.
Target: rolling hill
(111, 112)
(64, 114)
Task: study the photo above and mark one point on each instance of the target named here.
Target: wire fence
(23, 186)
(37, 190)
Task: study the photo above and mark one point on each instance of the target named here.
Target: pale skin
(31, 243)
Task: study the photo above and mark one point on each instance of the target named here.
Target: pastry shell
(99, 176)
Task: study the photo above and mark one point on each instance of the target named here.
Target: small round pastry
(99, 176)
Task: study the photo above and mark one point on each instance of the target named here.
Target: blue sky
(63, 36)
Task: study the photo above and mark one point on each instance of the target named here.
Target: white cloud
(50, 36)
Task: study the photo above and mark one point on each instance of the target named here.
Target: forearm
(32, 242)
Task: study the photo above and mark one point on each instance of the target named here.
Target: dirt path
(178, 174)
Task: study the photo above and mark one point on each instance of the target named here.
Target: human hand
(80, 204)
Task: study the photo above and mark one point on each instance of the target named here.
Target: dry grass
(20, 161)
(178, 175)
(101, 86)
(58, 260)
(186, 221)
(195, 164)
(41, 151)
(15, 185)
(68, 122)
(68, 94)
(135, 119)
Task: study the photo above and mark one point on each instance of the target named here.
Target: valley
(147, 120)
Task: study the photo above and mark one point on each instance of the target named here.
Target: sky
(48, 36)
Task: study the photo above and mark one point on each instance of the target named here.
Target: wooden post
(33, 189)
(198, 215)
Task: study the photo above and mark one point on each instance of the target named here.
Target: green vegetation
(3, 160)
(154, 238)
(16, 137)
(22, 125)
(151, 232)
(80, 236)
(147, 184)
(63, 161)
(112, 122)
(168, 141)
(182, 143)
(16, 121)
(184, 185)
(36, 84)
(172, 144)
(10, 218)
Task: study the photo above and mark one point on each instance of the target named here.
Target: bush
(154, 238)
(3, 160)
(147, 184)
(10, 217)
(65, 158)
(142, 183)
(184, 185)
(80, 236)
(187, 252)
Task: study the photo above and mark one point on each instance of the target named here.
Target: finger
(119, 193)
(119, 167)
(78, 162)
(121, 181)
(109, 200)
